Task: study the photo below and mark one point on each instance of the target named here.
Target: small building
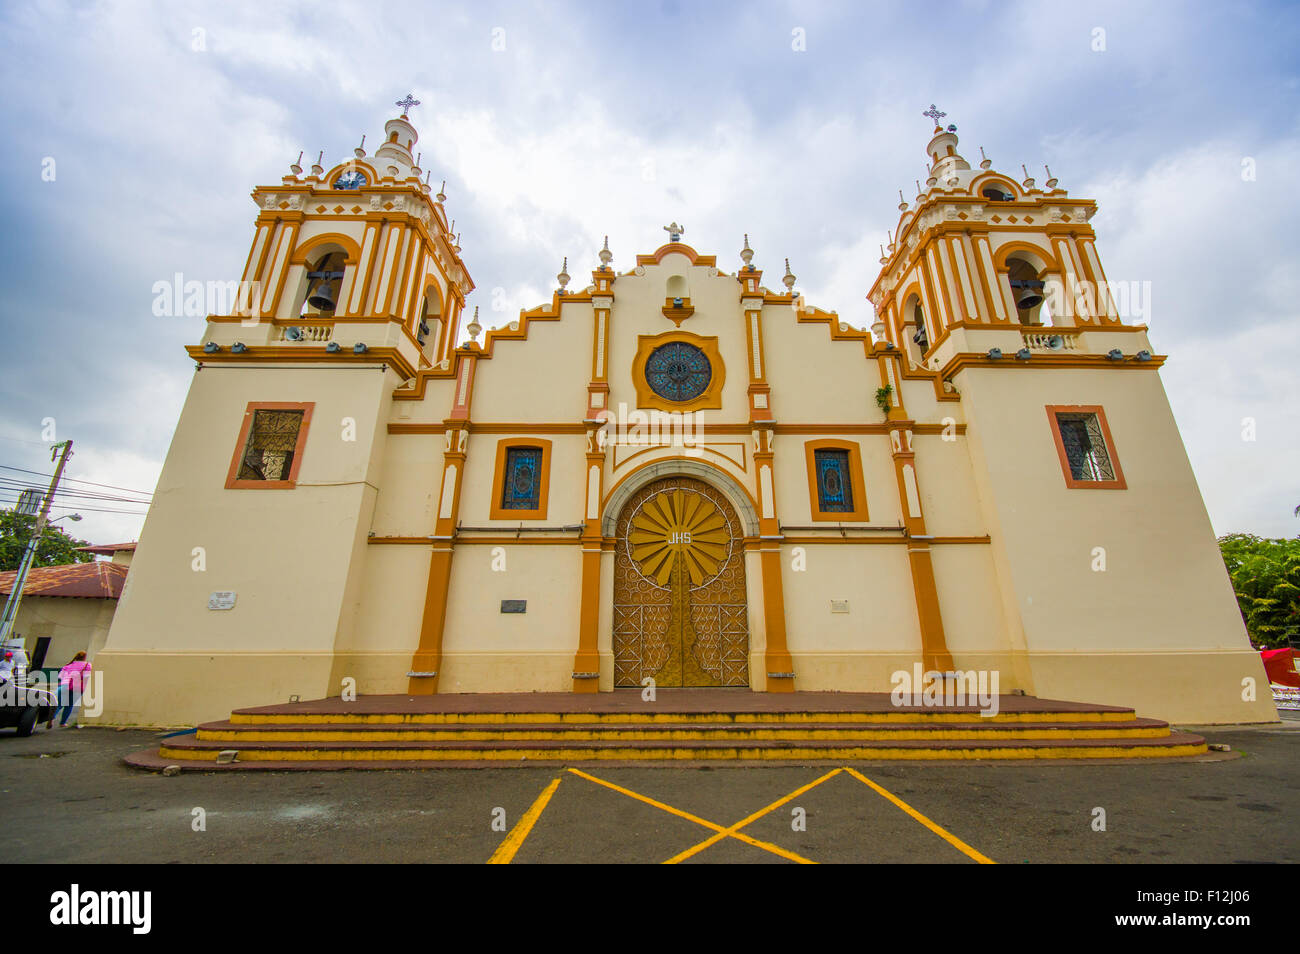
(69, 608)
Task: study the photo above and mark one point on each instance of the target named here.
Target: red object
(98, 580)
(1280, 664)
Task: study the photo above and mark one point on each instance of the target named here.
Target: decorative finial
(674, 232)
(1029, 181)
(1051, 180)
(360, 151)
(883, 258)
(934, 113)
(296, 166)
(985, 161)
(317, 168)
(747, 253)
(563, 277)
(442, 193)
(605, 255)
(407, 103)
(474, 327)
(890, 234)
(455, 244)
(902, 203)
(789, 277)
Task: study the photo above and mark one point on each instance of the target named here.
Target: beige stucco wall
(294, 557)
(485, 650)
(73, 624)
(1164, 589)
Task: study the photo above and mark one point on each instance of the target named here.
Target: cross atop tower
(933, 112)
(410, 101)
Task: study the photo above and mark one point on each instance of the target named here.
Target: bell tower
(1107, 567)
(254, 553)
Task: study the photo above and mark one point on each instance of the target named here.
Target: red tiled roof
(97, 580)
(107, 549)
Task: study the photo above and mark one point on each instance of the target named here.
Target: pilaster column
(777, 661)
(427, 660)
(934, 646)
(760, 393)
(586, 662)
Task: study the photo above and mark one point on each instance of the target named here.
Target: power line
(8, 484)
(91, 483)
(133, 513)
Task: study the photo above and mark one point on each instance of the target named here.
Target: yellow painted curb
(668, 754)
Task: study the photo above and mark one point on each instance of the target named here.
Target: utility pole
(29, 554)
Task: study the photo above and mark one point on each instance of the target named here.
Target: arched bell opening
(916, 336)
(429, 325)
(1028, 291)
(322, 283)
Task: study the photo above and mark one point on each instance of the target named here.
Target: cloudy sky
(136, 131)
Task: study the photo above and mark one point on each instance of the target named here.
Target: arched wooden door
(680, 613)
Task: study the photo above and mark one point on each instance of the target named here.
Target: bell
(322, 299)
(1027, 295)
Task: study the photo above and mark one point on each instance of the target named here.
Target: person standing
(73, 676)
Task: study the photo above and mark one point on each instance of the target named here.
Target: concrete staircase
(679, 726)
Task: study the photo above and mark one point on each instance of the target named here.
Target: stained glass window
(834, 485)
(272, 441)
(1085, 447)
(523, 480)
(678, 371)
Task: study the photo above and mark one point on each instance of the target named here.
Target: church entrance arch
(680, 610)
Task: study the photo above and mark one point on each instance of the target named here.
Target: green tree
(55, 547)
(1265, 576)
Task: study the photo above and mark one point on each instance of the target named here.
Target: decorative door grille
(680, 608)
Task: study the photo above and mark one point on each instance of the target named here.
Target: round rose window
(678, 371)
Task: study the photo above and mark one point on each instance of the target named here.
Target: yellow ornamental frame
(711, 399)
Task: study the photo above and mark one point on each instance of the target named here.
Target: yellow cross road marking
(945, 835)
(723, 832)
(713, 839)
(513, 841)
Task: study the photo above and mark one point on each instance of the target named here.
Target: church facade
(674, 472)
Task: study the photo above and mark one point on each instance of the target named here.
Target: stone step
(239, 733)
(1173, 745)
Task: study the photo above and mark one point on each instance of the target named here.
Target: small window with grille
(1085, 448)
(269, 450)
(523, 483)
(834, 486)
(521, 480)
(835, 481)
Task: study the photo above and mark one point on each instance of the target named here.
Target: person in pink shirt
(72, 682)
